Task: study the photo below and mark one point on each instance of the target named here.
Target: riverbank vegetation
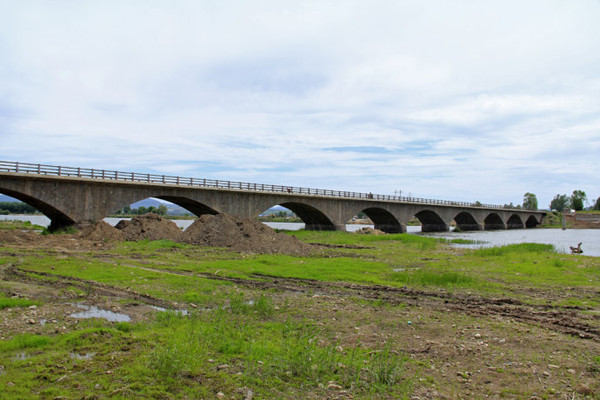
(363, 317)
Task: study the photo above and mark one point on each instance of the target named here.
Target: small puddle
(95, 312)
(183, 312)
(20, 357)
(86, 356)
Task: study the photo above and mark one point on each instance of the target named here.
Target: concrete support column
(319, 227)
(469, 227)
(434, 228)
(391, 228)
(491, 227)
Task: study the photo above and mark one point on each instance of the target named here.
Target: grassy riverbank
(391, 316)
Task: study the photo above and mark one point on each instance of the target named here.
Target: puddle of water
(86, 356)
(95, 312)
(183, 312)
(20, 357)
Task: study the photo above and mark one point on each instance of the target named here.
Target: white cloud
(485, 100)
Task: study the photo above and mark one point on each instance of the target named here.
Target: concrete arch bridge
(80, 196)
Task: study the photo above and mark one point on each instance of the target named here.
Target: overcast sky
(459, 100)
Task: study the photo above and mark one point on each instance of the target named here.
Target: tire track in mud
(567, 320)
(12, 272)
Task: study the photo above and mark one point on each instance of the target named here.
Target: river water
(561, 239)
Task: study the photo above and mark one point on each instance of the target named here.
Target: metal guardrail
(101, 174)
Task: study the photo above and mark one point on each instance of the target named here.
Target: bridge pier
(391, 228)
(469, 227)
(434, 228)
(322, 227)
(494, 226)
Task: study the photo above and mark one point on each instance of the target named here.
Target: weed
(67, 230)
(385, 368)
(6, 302)
(24, 341)
(522, 248)
(429, 278)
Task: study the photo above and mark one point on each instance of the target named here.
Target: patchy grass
(10, 302)
(20, 225)
(236, 337)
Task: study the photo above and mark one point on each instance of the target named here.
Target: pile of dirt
(15, 236)
(369, 231)
(101, 231)
(149, 226)
(243, 235)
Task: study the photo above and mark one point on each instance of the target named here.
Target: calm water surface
(590, 238)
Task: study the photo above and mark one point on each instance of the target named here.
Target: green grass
(20, 225)
(237, 337)
(521, 248)
(429, 278)
(24, 341)
(9, 302)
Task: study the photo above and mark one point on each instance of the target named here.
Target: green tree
(597, 205)
(162, 209)
(578, 199)
(559, 202)
(530, 201)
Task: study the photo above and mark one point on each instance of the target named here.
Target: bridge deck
(109, 175)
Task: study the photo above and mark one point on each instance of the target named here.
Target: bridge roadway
(80, 196)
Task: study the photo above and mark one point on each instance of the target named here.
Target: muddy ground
(462, 345)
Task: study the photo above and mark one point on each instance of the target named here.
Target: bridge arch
(384, 220)
(314, 219)
(531, 222)
(514, 222)
(493, 221)
(195, 207)
(465, 221)
(431, 221)
(58, 218)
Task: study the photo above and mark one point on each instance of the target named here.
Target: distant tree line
(16, 207)
(127, 210)
(576, 201)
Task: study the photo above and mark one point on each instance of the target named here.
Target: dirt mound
(101, 231)
(149, 226)
(369, 231)
(15, 236)
(241, 234)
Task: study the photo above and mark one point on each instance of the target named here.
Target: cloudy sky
(461, 100)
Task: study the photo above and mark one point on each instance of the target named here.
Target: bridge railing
(91, 173)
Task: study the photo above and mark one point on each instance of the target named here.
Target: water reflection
(95, 312)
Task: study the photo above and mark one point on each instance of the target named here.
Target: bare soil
(463, 345)
(242, 235)
(221, 230)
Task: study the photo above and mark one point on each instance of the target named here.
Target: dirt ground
(463, 345)
(221, 230)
